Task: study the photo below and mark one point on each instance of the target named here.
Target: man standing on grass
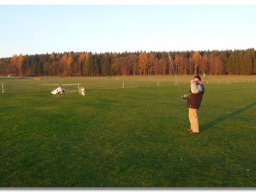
(194, 99)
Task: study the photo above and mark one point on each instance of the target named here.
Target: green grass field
(134, 136)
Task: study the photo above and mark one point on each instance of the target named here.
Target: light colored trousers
(193, 118)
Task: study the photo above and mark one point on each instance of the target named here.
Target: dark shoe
(190, 130)
(194, 132)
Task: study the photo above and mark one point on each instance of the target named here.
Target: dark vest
(194, 100)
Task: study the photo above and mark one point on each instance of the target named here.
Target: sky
(40, 29)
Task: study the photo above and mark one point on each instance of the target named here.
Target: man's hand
(184, 97)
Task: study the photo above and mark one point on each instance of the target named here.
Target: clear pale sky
(39, 29)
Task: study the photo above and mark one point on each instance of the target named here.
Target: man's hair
(198, 77)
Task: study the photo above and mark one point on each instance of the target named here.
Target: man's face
(197, 81)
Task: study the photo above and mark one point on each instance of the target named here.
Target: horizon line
(120, 52)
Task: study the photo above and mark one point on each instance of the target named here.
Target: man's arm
(196, 88)
(193, 87)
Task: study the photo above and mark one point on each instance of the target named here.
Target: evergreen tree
(248, 60)
(106, 64)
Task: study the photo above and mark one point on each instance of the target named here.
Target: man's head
(197, 79)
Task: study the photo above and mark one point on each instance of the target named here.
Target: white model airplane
(60, 91)
(81, 91)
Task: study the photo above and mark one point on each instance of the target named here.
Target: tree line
(237, 62)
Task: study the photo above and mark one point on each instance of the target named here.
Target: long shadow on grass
(224, 117)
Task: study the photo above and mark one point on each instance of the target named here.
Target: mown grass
(134, 137)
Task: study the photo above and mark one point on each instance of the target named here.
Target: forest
(228, 62)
